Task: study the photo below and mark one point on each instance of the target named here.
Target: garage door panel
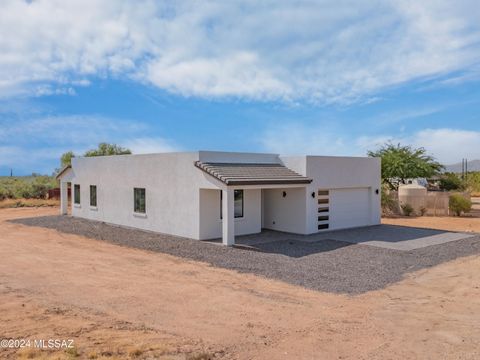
(349, 208)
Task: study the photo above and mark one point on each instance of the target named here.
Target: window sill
(93, 208)
(140, 215)
(78, 206)
(235, 219)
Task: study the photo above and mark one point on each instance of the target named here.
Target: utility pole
(466, 169)
(11, 172)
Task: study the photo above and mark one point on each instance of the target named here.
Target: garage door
(349, 208)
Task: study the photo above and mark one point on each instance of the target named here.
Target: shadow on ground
(296, 248)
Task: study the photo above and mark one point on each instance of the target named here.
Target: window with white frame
(139, 200)
(93, 195)
(76, 194)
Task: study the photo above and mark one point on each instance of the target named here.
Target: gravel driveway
(325, 265)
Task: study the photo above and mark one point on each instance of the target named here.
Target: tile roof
(252, 174)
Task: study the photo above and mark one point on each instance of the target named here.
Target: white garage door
(349, 208)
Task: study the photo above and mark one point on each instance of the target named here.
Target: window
(76, 194)
(323, 209)
(237, 203)
(139, 200)
(93, 195)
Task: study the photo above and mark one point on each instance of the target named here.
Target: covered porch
(261, 193)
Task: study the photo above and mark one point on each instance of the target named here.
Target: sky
(325, 77)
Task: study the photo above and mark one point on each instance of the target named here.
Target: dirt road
(124, 302)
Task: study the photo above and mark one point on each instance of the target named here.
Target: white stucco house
(206, 195)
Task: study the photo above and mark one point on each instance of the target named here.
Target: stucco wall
(211, 224)
(171, 182)
(285, 213)
(331, 172)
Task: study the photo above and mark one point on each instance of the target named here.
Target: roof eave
(62, 171)
(268, 182)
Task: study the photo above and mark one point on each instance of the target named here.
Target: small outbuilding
(206, 195)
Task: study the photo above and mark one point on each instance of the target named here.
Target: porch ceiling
(252, 174)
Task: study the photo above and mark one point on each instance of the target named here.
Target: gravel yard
(325, 265)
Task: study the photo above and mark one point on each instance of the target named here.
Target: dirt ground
(469, 222)
(117, 302)
(15, 203)
(450, 223)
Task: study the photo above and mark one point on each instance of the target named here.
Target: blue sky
(324, 77)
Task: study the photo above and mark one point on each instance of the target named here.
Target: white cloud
(34, 144)
(448, 145)
(148, 145)
(333, 50)
(71, 130)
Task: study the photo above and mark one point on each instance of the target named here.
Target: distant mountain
(473, 165)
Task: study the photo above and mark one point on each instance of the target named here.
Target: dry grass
(14, 203)
(200, 356)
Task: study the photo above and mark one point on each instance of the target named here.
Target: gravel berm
(325, 265)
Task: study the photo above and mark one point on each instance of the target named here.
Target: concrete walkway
(384, 236)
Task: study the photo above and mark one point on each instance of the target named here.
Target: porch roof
(252, 173)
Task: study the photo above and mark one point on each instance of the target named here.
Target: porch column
(228, 221)
(63, 198)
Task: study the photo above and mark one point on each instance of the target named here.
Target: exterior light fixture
(313, 194)
(284, 194)
(376, 191)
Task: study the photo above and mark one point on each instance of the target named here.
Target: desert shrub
(473, 181)
(5, 192)
(451, 181)
(423, 210)
(34, 187)
(407, 209)
(389, 202)
(459, 204)
(40, 186)
(22, 189)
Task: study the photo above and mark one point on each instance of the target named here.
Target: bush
(451, 181)
(22, 189)
(407, 209)
(423, 210)
(388, 202)
(40, 187)
(459, 204)
(35, 187)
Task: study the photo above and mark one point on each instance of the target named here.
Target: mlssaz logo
(54, 344)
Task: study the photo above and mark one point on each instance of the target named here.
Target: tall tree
(107, 149)
(66, 158)
(400, 163)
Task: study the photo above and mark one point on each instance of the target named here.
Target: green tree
(473, 181)
(107, 149)
(451, 181)
(400, 163)
(66, 158)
